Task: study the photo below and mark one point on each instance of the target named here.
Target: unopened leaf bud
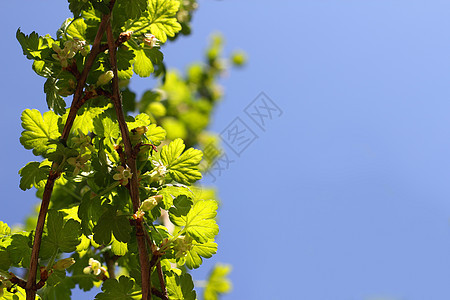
(105, 78)
(64, 264)
(56, 48)
(151, 202)
(141, 130)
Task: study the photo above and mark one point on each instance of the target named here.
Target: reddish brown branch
(16, 280)
(31, 286)
(161, 279)
(123, 37)
(110, 264)
(95, 50)
(131, 162)
(31, 280)
(156, 255)
(159, 294)
(72, 68)
(122, 157)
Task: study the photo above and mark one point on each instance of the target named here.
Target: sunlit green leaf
(180, 287)
(33, 174)
(197, 251)
(218, 283)
(182, 167)
(200, 222)
(38, 130)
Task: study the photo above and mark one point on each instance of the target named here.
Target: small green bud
(56, 48)
(151, 203)
(141, 130)
(63, 264)
(64, 63)
(239, 58)
(123, 175)
(183, 244)
(105, 78)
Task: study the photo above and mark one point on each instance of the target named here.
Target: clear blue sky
(346, 196)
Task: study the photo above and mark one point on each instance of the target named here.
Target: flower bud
(239, 58)
(151, 202)
(64, 63)
(183, 244)
(150, 40)
(63, 264)
(105, 78)
(141, 130)
(56, 48)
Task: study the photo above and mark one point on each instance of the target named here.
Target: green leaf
(171, 152)
(155, 134)
(19, 294)
(84, 244)
(85, 118)
(5, 262)
(109, 223)
(180, 287)
(182, 206)
(38, 130)
(200, 222)
(197, 251)
(32, 175)
(64, 236)
(182, 167)
(89, 211)
(54, 101)
(132, 8)
(77, 29)
(85, 282)
(145, 59)
(170, 192)
(218, 283)
(56, 277)
(76, 6)
(140, 120)
(4, 229)
(61, 153)
(163, 19)
(124, 59)
(115, 290)
(143, 65)
(32, 45)
(20, 249)
(119, 248)
(125, 74)
(105, 127)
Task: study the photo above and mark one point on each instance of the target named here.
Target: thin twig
(123, 37)
(95, 50)
(159, 294)
(110, 264)
(31, 285)
(161, 279)
(131, 162)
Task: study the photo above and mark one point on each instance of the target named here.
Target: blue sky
(346, 195)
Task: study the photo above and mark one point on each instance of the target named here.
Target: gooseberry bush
(116, 175)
